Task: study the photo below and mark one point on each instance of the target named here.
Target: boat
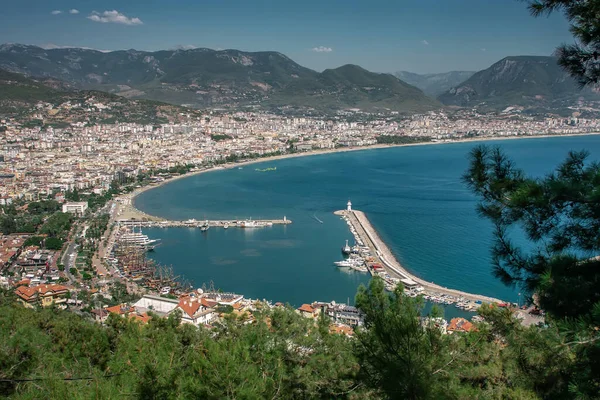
(359, 268)
(137, 239)
(226, 225)
(248, 224)
(204, 227)
(344, 263)
(346, 250)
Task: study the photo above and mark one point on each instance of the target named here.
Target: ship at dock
(204, 227)
(130, 238)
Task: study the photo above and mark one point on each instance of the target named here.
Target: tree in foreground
(581, 59)
(560, 216)
(397, 355)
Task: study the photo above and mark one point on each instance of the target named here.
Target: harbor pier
(382, 255)
(203, 224)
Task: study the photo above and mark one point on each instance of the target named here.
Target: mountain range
(434, 84)
(532, 81)
(204, 77)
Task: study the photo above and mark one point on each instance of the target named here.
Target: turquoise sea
(413, 196)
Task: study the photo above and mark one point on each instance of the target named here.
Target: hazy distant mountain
(205, 77)
(520, 80)
(434, 84)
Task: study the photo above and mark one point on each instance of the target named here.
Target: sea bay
(413, 196)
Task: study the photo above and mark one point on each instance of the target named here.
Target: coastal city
(37, 162)
(298, 200)
(96, 258)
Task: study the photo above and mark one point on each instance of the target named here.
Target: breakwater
(192, 223)
(365, 232)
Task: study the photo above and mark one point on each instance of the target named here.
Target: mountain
(533, 81)
(18, 88)
(20, 96)
(434, 84)
(204, 77)
(351, 86)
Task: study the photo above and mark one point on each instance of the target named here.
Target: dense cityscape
(167, 230)
(35, 161)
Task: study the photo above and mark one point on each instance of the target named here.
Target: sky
(422, 36)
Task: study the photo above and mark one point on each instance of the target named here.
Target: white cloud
(56, 12)
(114, 17)
(73, 11)
(425, 42)
(484, 49)
(322, 49)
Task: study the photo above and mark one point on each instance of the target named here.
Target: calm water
(412, 195)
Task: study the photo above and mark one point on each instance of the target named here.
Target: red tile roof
(119, 309)
(51, 289)
(460, 325)
(306, 308)
(26, 293)
(208, 303)
(189, 306)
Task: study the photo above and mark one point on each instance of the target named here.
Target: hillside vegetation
(205, 77)
(58, 354)
(19, 95)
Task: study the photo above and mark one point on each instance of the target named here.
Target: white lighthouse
(349, 206)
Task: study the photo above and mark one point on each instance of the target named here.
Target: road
(68, 261)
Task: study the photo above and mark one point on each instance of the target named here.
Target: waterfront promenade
(366, 232)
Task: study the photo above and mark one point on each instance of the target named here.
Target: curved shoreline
(388, 256)
(131, 196)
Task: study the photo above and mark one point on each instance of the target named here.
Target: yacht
(344, 263)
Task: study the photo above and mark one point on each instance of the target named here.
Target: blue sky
(421, 36)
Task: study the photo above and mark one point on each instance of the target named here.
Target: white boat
(132, 238)
(226, 225)
(248, 224)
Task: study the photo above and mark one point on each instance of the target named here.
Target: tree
(53, 243)
(57, 225)
(7, 224)
(560, 216)
(396, 353)
(581, 59)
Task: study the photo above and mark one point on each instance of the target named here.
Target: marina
(371, 254)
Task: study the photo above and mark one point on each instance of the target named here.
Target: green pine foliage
(283, 355)
(560, 215)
